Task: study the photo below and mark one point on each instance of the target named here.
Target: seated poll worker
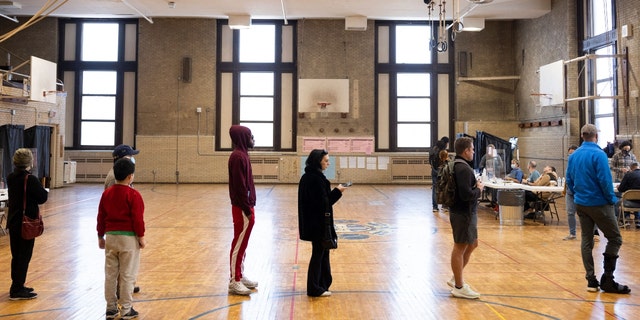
(549, 177)
(533, 173)
(516, 174)
(631, 180)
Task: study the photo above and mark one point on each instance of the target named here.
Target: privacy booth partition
(36, 138)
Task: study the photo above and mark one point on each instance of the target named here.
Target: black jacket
(315, 198)
(36, 195)
(466, 200)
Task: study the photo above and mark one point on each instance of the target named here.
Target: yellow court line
(495, 311)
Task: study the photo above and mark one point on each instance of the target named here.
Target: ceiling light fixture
(240, 21)
(472, 24)
(480, 1)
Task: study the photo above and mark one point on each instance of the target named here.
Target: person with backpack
(434, 160)
(464, 217)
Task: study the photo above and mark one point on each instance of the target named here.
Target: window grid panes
(404, 53)
(257, 44)
(254, 97)
(101, 71)
(413, 110)
(599, 20)
(100, 41)
(412, 44)
(601, 17)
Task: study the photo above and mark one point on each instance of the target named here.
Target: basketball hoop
(323, 104)
(537, 97)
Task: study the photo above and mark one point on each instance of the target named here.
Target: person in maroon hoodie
(243, 198)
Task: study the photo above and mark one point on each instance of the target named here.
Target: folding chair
(547, 204)
(630, 203)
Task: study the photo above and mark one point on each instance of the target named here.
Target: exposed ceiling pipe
(136, 10)
(9, 18)
(284, 12)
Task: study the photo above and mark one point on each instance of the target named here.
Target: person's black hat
(124, 150)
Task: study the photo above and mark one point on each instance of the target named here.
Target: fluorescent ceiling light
(472, 24)
(242, 21)
(10, 5)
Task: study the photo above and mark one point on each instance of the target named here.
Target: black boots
(607, 284)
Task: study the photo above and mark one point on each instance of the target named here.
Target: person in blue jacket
(589, 180)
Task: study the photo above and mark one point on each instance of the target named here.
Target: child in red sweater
(121, 221)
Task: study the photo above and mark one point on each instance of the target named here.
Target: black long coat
(315, 198)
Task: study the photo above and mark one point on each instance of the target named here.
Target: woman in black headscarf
(315, 201)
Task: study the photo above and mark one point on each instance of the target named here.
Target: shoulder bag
(31, 228)
(329, 236)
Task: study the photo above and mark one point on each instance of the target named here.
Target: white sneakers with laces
(249, 283)
(465, 292)
(237, 288)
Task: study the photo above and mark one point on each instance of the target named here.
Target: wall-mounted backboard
(43, 80)
(552, 84)
(334, 93)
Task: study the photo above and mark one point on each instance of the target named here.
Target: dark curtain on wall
(481, 142)
(39, 138)
(11, 139)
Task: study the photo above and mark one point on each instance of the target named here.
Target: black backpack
(446, 186)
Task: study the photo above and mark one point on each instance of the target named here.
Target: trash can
(511, 202)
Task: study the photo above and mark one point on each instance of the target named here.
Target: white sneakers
(465, 292)
(248, 283)
(237, 288)
(242, 287)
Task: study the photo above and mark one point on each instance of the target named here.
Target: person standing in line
(121, 228)
(622, 160)
(315, 202)
(121, 151)
(242, 193)
(589, 179)
(464, 217)
(571, 206)
(434, 160)
(25, 191)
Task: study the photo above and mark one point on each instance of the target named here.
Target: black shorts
(464, 227)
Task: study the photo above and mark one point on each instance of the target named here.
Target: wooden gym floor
(392, 261)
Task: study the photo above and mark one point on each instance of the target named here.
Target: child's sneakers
(132, 314)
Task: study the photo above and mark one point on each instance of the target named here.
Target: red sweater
(121, 209)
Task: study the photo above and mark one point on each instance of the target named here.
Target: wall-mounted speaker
(186, 69)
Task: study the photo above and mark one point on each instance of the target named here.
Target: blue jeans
(604, 218)
(571, 213)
